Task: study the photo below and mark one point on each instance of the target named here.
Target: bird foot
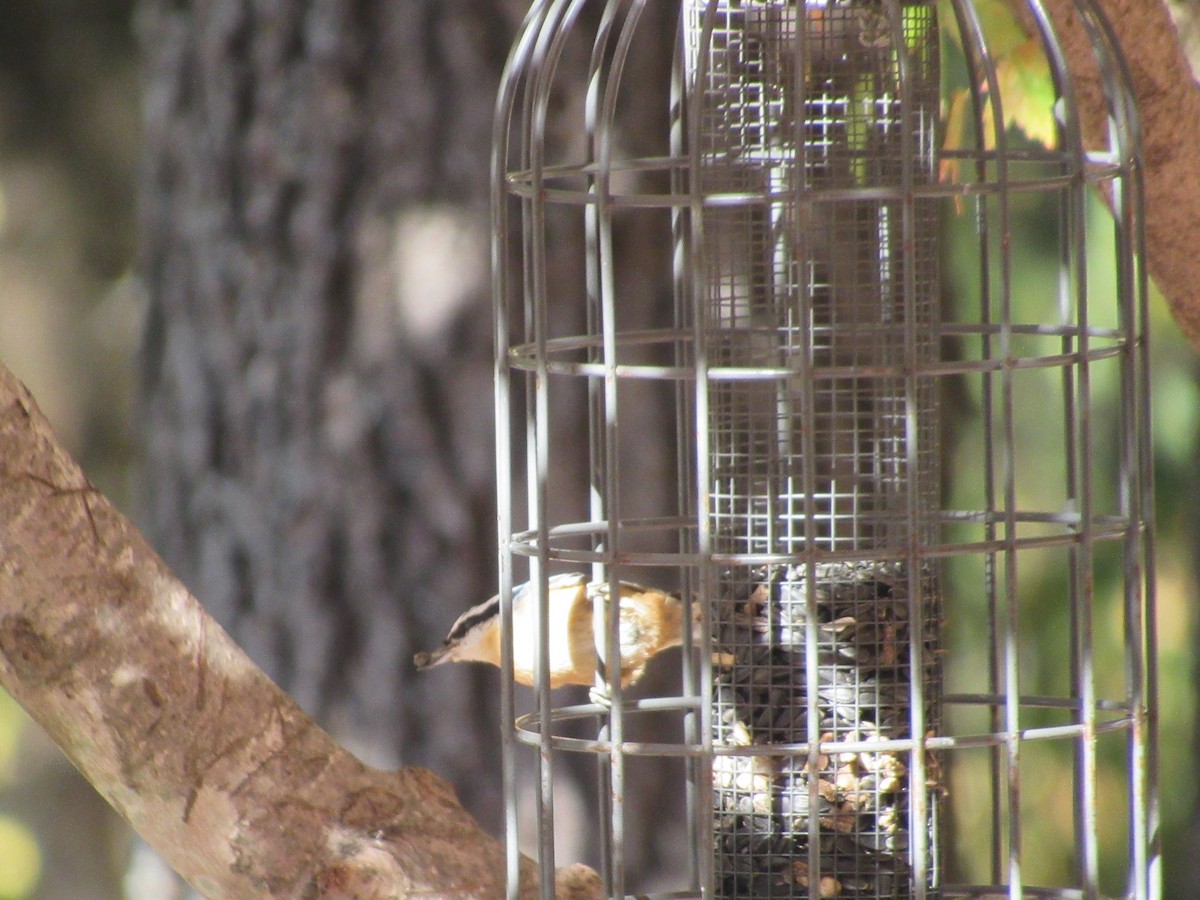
(600, 696)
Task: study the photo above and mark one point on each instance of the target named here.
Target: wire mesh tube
(830, 470)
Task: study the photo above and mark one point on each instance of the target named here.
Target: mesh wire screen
(821, 447)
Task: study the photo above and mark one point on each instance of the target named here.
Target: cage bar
(816, 163)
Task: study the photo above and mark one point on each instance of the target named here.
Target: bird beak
(433, 658)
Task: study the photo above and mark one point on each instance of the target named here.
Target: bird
(651, 620)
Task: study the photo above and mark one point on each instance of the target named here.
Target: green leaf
(1027, 92)
(1000, 27)
(1023, 78)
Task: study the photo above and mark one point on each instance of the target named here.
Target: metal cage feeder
(795, 202)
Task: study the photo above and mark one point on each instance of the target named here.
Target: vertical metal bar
(510, 81)
(544, 62)
(507, 96)
(802, 204)
(1137, 457)
(979, 87)
(604, 152)
(1007, 657)
(603, 499)
(698, 277)
(1140, 589)
(1082, 597)
(1144, 761)
(696, 788)
(1140, 600)
(915, 526)
(1007, 464)
(803, 207)
(596, 249)
(538, 448)
(1077, 575)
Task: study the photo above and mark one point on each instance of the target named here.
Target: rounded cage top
(1004, 114)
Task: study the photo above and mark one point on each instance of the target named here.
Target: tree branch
(1169, 103)
(215, 767)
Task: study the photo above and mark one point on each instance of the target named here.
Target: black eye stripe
(489, 609)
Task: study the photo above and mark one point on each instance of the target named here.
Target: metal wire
(799, 192)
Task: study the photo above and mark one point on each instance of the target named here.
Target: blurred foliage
(1026, 93)
(1044, 620)
(1044, 626)
(69, 144)
(18, 847)
(68, 151)
(10, 722)
(22, 860)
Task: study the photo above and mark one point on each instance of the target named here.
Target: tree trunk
(316, 405)
(316, 410)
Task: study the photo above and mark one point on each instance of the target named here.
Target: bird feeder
(809, 374)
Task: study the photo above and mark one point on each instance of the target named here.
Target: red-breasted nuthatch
(650, 621)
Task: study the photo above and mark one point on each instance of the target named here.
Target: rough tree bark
(316, 413)
(213, 764)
